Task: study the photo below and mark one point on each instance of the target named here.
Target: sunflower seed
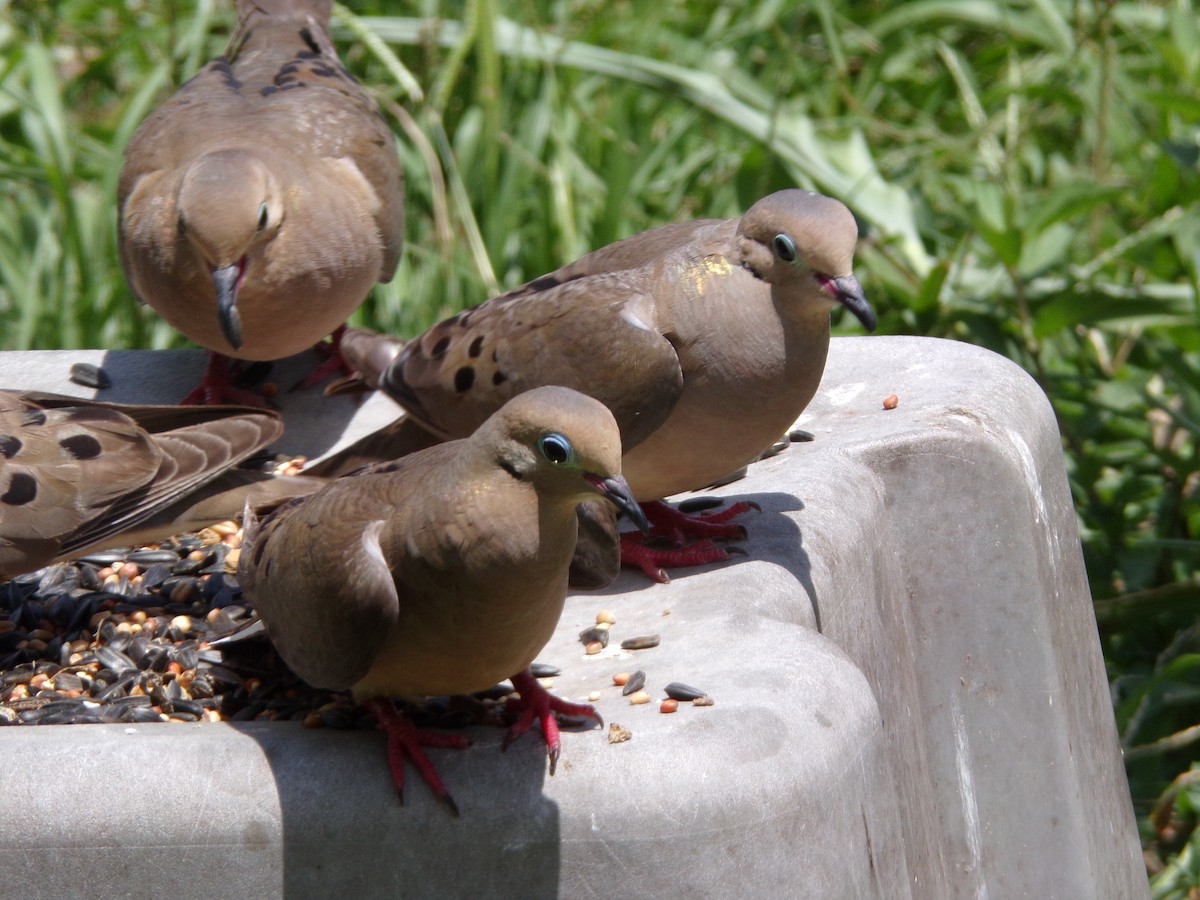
(644, 642)
(677, 690)
(90, 376)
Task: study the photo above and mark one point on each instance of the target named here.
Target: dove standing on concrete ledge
(75, 473)
(443, 572)
(260, 204)
(706, 340)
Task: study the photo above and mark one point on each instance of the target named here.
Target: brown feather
(74, 473)
(276, 125)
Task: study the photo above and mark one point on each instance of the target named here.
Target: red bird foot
(668, 523)
(404, 740)
(536, 701)
(217, 385)
(333, 364)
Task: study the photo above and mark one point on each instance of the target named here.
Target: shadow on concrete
(315, 423)
(774, 536)
(344, 832)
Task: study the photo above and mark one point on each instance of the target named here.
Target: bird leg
(536, 701)
(217, 385)
(668, 522)
(404, 740)
(333, 364)
(677, 527)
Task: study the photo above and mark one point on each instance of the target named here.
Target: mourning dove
(442, 572)
(74, 473)
(706, 340)
(260, 204)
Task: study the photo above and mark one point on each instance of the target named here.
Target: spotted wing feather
(75, 472)
(462, 370)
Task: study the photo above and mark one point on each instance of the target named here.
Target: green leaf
(1067, 202)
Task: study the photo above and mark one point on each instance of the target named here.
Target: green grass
(1026, 174)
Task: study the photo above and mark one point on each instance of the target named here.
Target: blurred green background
(1025, 175)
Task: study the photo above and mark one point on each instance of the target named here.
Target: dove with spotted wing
(706, 339)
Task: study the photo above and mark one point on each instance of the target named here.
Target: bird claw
(217, 387)
(677, 527)
(652, 561)
(536, 702)
(333, 364)
(404, 741)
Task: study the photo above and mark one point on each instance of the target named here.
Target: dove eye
(785, 247)
(263, 216)
(556, 448)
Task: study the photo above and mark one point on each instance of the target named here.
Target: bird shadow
(345, 830)
(315, 424)
(774, 535)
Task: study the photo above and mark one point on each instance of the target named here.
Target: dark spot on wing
(383, 468)
(221, 66)
(33, 417)
(499, 378)
(439, 349)
(22, 489)
(464, 378)
(81, 446)
(541, 284)
(307, 37)
(476, 347)
(268, 90)
(10, 445)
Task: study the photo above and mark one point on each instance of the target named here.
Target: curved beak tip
(226, 279)
(850, 295)
(616, 490)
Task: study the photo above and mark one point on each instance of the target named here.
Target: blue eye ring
(556, 449)
(785, 248)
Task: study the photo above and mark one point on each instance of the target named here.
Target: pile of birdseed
(127, 635)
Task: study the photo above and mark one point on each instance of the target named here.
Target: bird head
(565, 444)
(802, 239)
(230, 206)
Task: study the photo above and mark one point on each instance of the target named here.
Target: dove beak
(227, 279)
(848, 292)
(616, 490)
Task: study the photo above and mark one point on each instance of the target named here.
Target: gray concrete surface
(910, 699)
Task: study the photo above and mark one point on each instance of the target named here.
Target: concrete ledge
(910, 700)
